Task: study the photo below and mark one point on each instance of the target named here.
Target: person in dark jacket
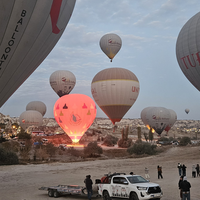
(185, 187)
(88, 183)
(159, 168)
(184, 170)
(179, 186)
(197, 169)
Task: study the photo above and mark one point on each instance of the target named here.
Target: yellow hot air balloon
(115, 90)
(29, 31)
(110, 44)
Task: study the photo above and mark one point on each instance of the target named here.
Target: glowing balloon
(172, 120)
(110, 44)
(143, 116)
(38, 106)
(187, 110)
(188, 50)
(75, 113)
(29, 31)
(115, 90)
(62, 82)
(158, 118)
(30, 118)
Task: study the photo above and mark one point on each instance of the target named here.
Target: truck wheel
(133, 196)
(50, 193)
(106, 196)
(55, 194)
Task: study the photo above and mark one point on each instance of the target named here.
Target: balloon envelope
(62, 82)
(29, 31)
(38, 106)
(30, 118)
(187, 110)
(158, 118)
(110, 44)
(75, 113)
(188, 50)
(115, 90)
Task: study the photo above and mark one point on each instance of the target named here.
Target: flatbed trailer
(60, 190)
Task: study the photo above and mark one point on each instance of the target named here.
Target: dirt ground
(21, 182)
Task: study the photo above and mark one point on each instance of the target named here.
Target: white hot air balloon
(30, 118)
(188, 50)
(29, 31)
(187, 110)
(38, 106)
(115, 90)
(144, 115)
(62, 82)
(158, 118)
(110, 44)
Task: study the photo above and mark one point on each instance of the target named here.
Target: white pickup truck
(132, 187)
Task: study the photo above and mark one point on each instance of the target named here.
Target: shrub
(140, 148)
(74, 152)
(185, 141)
(125, 143)
(93, 150)
(110, 140)
(8, 157)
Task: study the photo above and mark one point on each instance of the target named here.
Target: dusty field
(21, 182)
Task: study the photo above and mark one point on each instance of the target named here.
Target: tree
(93, 150)
(139, 133)
(150, 135)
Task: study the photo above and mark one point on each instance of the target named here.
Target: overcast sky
(148, 29)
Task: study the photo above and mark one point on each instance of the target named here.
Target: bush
(74, 152)
(110, 140)
(93, 150)
(8, 157)
(125, 143)
(140, 148)
(185, 141)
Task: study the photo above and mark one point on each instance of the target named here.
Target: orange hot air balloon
(75, 113)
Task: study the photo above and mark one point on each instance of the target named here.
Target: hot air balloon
(172, 120)
(75, 113)
(29, 31)
(187, 110)
(62, 82)
(110, 44)
(30, 118)
(143, 116)
(188, 50)
(115, 90)
(158, 118)
(38, 106)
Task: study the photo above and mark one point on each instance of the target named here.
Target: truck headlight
(141, 188)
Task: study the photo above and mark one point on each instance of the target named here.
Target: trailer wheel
(133, 196)
(55, 194)
(106, 196)
(50, 193)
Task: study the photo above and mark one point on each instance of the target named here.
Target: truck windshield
(137, 179)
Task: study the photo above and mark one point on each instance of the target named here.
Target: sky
(148, 29)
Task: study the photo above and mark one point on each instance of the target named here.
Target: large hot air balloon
(115, 90)
(30, 118)
(188, 50)
(38, 106)
(172, 120)
(187, 110)
(158, 118)
(75, 113)
(110, 44)
(29, 31)
(62, 82)
(143, 116)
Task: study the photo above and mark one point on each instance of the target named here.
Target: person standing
(179, 186)
(193, 171)
(184, 170)
(197, 169)
(185, 187)
(179, 169)
(146, 171)
(88, 183)
(159, 168)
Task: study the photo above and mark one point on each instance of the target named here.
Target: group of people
(182, 170)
